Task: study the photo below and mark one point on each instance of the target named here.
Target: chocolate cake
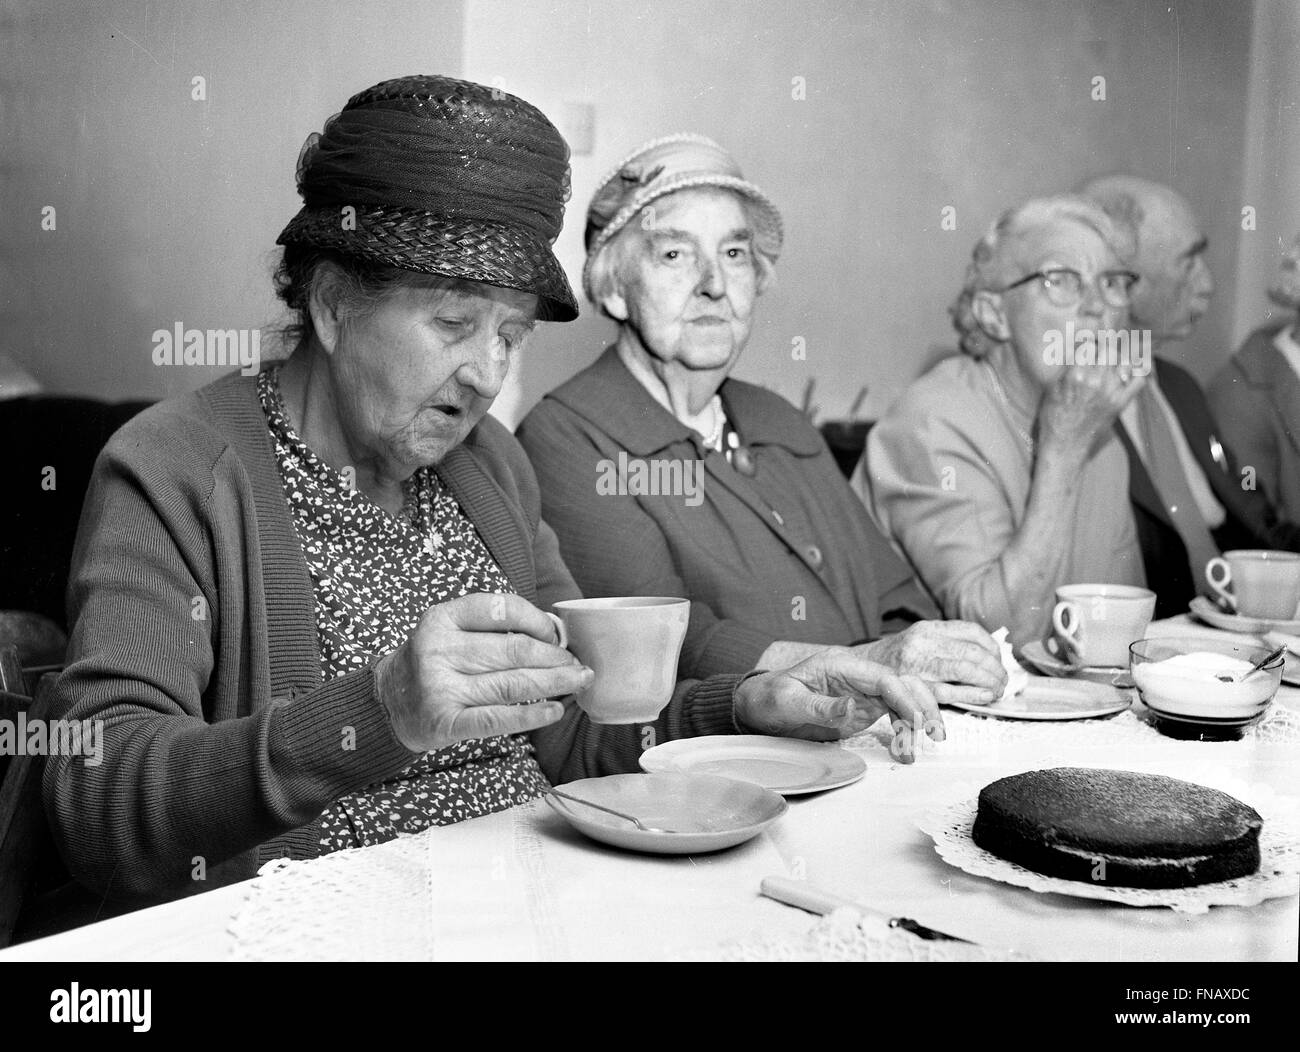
(1118, 827)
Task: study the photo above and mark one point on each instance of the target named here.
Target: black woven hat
(441, 176)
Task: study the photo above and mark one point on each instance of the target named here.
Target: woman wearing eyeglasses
(998, 474)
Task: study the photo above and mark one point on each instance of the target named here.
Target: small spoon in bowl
(1229, 678)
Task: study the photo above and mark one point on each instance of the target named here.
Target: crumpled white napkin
(1017, 677)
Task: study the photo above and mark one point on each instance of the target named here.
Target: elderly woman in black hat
(769, 542)
(310, 605)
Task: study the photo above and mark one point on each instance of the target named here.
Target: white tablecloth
(523, 885)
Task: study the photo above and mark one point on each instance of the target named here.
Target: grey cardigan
(787, 552)
(194, 644)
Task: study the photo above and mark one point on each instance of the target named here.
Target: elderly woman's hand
(836, 693)
(1082, 405)
(958, 659)
(469, 668)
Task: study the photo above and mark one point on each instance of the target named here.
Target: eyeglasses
(1064, 287)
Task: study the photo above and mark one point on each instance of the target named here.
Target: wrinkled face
(412, 378)
(1031, 316)
(688, 278)
(1176, 284)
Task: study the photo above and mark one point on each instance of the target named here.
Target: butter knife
(805, 896)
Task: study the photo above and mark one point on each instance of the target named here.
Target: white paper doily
(1278, 876)
(846, 935)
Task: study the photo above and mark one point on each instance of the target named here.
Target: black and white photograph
(651, 481)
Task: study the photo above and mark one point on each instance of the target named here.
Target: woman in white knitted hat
(662, 475)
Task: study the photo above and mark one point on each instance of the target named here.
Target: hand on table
(476, 667)
(835, 693)
(958, 660)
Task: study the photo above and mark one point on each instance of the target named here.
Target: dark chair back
(846, 439)
(50, 448)
(28, 857)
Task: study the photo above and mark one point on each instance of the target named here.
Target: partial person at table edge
(1190, 499)
(1255, 396)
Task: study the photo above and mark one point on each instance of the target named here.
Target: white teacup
(1094, 624)
(632, 644)
(1264, 583)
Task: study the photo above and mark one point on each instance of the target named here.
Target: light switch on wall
(578, 126)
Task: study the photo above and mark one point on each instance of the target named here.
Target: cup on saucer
(1257, 582)
(1093, 624)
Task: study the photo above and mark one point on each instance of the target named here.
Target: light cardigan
(193, 643)
(946, 474)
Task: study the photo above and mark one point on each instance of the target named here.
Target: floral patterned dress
(373, 576)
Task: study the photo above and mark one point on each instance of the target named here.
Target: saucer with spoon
(667, 814)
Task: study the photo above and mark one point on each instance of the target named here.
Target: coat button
(814, 556)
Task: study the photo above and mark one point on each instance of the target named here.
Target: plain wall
(167, 208)
(912, 105)
(1271, 183)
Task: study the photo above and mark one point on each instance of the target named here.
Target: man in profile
(1190, 499)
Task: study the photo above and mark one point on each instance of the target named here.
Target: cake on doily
(1118, 828)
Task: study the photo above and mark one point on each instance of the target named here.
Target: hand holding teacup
(633, 643)
(476, 667)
